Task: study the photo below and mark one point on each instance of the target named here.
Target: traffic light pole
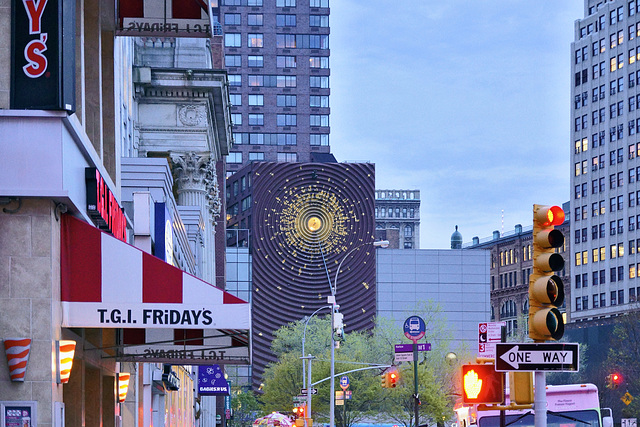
(540, 399)
(416, 397)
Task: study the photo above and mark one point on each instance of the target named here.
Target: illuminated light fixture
(123, 385)
(17, 351)
(314, 223)
(65, 349)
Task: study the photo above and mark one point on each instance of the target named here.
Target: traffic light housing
(521, 387)
(299, 411)
(384, 380)
(546, 290)
(482, 384)
(614, 380)
(392, 378)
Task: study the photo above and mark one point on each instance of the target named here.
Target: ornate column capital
(196, 173)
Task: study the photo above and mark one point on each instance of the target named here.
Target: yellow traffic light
(384, 380)
(546, 290)
(521, 387)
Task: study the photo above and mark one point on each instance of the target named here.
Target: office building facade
(605, 166)
(277, 56)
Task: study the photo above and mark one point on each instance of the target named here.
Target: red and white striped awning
(106, 283)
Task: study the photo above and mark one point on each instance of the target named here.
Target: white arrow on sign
(514, 357)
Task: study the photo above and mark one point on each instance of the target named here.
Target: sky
(466, 101)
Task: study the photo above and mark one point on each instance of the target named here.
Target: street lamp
(334, 288)
(304, 337)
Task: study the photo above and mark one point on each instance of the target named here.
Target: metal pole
(308, 412)
(332, 396)
(540, 399)
(415, 382)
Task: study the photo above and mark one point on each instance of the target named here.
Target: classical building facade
(605, 226)
(277, 56)
(398, 218)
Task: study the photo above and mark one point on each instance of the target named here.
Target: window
(285, 3)
(246, 203)
(231, 19)
(319, 3)
(285, 20)
(319, 81)
(256, 156)
(321, 101)
(234, 157)
(318, 20)
(233, 40)
(235, 99)
(319, 62)
(286, 100)
(286, 120)
(320, 139)
(614, 297)
(236, 119)
(408, 231)
(254, 19)
(255, 61)
(288, 157)
(256, 119)
(319, 120)
(255, 40)
(235, 80)
(233, 60)
(256, 100)
(286, 62)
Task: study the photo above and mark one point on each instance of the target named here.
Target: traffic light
(392, 378)
(482, 384)
(299, 411)
(546, 290)
(614, 380)
(384, 380)
(521, 387)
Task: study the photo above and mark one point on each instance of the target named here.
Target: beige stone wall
(29, 298)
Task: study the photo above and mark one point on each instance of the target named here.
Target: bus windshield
(587, 418)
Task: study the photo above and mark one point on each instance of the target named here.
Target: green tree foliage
(438, 378)
(245, 409)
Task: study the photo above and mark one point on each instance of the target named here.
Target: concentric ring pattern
(303, 212)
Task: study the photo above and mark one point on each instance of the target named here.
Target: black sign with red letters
(43, 55)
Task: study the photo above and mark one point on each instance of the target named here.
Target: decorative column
(196, 183)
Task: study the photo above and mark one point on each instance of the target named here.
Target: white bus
(573, 405)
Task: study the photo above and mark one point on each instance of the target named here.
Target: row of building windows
(257, 119)
(279, 3)
(235, 157)
(615, 15)
(238, 186)
(399, 213)
(283, 41)
(283, 81)
(600, 300)
(404, 195)
(248, 138)
(282, 20)
(282, 61)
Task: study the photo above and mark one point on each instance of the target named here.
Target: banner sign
(211, 381)
(102, 206)
(43, 55)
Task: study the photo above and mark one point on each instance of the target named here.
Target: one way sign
(536, 357)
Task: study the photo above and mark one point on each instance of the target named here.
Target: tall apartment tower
(277, 57)
(605, 166)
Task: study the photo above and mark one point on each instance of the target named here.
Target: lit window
(255, 40)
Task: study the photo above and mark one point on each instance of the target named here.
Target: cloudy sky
(466, 101)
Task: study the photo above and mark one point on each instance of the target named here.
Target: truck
(571, 405)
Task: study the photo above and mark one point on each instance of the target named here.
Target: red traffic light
(550, 216)
(393, 378)
(616, 378)
(482, 384)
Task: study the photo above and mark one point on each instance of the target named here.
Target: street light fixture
(332, 300)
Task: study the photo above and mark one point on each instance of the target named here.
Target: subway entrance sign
(537, 357)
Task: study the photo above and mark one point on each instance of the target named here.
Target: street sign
(408, 348)
(536, 357)
(344, 382)
(304, 391)
(299, 399)
(403, 357)
(489, 333)
(627, 399)
(414, 328)
(628, 422)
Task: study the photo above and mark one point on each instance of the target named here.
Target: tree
(245, 409)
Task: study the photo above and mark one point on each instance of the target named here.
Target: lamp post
(304, 337)
(334, 288)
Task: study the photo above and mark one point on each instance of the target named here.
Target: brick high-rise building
(277, 57)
